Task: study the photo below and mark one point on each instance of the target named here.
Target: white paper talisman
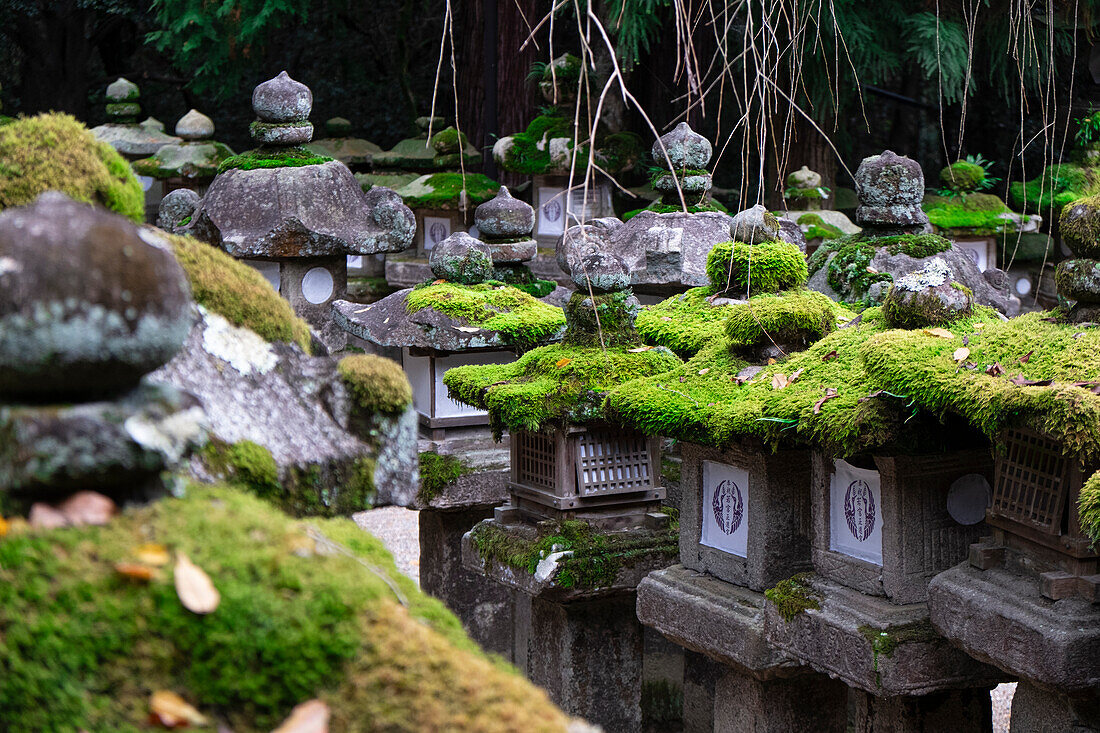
(855, 512)
(725, 508)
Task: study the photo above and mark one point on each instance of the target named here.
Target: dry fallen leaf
(134, 570)
(994, 369)
(961, 353)
(309, 717)
(44, 516)
(978, 325)
(829, 394)
(193, 586)
(703, 371)
(779, 380)
(172, 711)
(1026, 357)
(771, 360)
(438, 282)
(830, 355)
(942, 333)
(562, 362)
(795, 375)
(88, 507)
(152, 554)
(639, 349)
(4, 526)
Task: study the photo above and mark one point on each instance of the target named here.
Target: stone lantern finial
(890, 189)
(195, 126)
(505, 224)
(689, 154)
(282, 106)
(122, 101)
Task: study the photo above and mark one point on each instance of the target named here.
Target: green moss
(683, 323)
(768, 267)
(443, 190)
(334, 489)
(794, 596)
(797, 317)
(817, 228)
(970, 213)
(54, 152)
(850, 272)
(661, 208)
(308, 609)
(604, 320)
(556, 383)
(437, 472)
(963, 176)
(195, 167)
(1088, 507)
(377, 384)
(922, 366)
(237, 292)
(537, 288)
(529, 151)
(246, 464)
(1059, 184)
(449, 140)
(523, 321)
(597, 557)
(272, 158)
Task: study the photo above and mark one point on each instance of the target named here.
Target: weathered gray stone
(248, 385)
(195, 126)
(928, 297)
(1078, 226)
(88, 301)
(504, 217)
(805, 703)
(122, 90)
(133, 141)
(1079, 280)
(959, 711)
(282, 100)
(582, 240)
(281, 134)
(890, 189)
(177, 210)
(776, 499)
(602, 272)
(1039, 710)
(511, 253)
(118, 447)
(792, 233)
(462, 259)
(311, 285)
(803, 178)
(755, 225)
(685, 148)
(338, 127)
(152, 123)
(963, 269)
(303, 211)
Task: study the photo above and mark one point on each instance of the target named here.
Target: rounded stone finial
(890, 189)
(152, 123)
(504, 217)
(804, 178)
(604, 272)
(685, 147)
(282, 99)
(754, 226)
(928, 297)
(461, 259)
(338, 127)
(122, 90)
(195, 126)
(89, 303)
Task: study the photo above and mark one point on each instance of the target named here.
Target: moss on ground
(522, 320)
(1088, 507)
(768, 267)
(597, 557)
(437, 472)
(1058, 185)
(683, 323)
(1053, 387)
(552, 384)
(796, 317)
(311, 609)
(443, 190)
(262, 157)
(377, 384)
(238, 292)
(54, 152)
(794, 596)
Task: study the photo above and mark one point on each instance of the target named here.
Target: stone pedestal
(810, 703)
(1038, 710)
(958, 711)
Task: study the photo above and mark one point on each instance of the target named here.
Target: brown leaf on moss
(193, 586)
(830, 393)
(795, 375)
(169, 710)
(309, 717)
(1026, 357)
(135, 571)
(961, 354)
(831, 355)
(562, 362)
(4, 526)
(152, 554)
(942, 333)
(994, 370)
(779, 380)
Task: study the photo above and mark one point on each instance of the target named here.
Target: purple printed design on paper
(859, 509)
(437, 232)
(552, 210)
(728, 506)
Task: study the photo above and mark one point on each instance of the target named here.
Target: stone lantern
(192, 163)
(339, 144)
(294, 215)
(804, 201)
(131, 139)
(89, 304)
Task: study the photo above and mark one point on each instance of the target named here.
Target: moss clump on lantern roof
(54, 152)
(661, 208)
(704, 401)
(796, 317)
(392, 181)
(377, 384)
(767, 267)
(522, 320)
(602, 320)
(444, 190)
(793, 596)
(308, 609)
(970, 213)
(848, 271)
(555, 384)
(529, 152)
(243, 463)
(818, 228)
(1088, 507)
(237, 292)
(963, 176)
(1058, 185)
(1018, 373)
(215, 154)
(683, 323)
(597, 557)
(273, 157)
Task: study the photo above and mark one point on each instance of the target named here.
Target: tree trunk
(56, 64)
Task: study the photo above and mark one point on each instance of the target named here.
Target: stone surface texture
(282, 100)
(195, 126)
(177, 209)
(461, 258)
(685, 148)
(929, 297)
(890, 189)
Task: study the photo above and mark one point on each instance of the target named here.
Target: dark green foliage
(529, 151)
(597, 558)
(272, 158)
(1059, 185)
(437, 472)
(794, 596)
(768, 267)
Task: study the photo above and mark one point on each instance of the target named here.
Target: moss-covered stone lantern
(804, 204)
(191, 163)
(294, 215)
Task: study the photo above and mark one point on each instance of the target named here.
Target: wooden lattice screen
(1030, 482)
(612, 463)
(536, 458)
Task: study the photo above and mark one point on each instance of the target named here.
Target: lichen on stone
(377, 384)
(54, 152)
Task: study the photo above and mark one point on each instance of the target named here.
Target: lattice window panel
(1030, 482)
(536, 458)
(612, 463)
